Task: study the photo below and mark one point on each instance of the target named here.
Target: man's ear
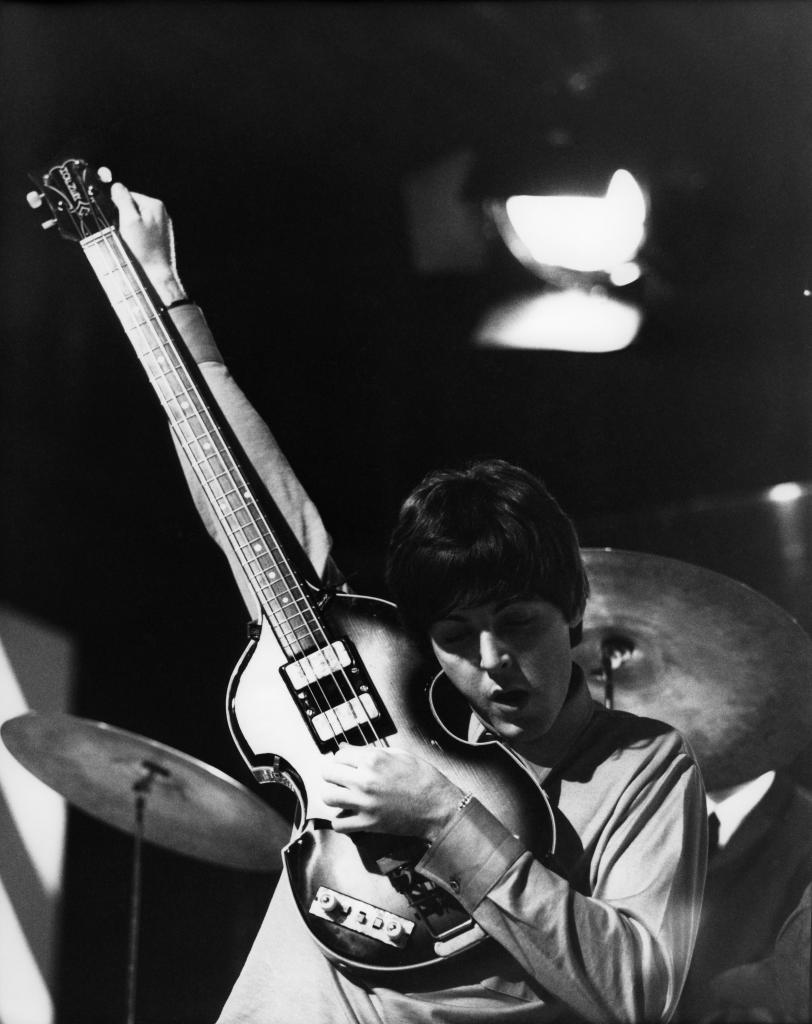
(576, 631)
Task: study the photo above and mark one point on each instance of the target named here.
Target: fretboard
(279, 588)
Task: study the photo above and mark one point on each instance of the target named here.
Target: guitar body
(365, 872)
(321, 673)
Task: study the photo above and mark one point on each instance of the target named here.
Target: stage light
(586, 234)
(581, 235)
(572, 214)
(626, 273)
(782, 494)
(571, 320)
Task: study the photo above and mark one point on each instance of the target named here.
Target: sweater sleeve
(262, 451)
(620, 953)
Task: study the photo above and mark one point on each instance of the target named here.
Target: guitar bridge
(388, 928)
(336, 697)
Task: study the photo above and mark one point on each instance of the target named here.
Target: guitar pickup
(336, 697)
(321, 664)
(352, 714)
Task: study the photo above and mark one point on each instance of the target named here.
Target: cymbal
(190, 807)
(712, 657)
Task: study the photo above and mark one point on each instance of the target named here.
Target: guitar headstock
(78, 198)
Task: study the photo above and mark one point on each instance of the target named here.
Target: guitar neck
(279, 587)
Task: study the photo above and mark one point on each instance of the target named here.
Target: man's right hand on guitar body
(388, 790)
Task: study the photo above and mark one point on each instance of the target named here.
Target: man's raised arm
(146, 228)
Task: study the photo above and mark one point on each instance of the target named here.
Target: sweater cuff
(471, 854)
(195, 332)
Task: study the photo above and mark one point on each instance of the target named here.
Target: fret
(289, 601)
(265, 580)
(159, 365)
(278, 590)
(210, 460)
(265, 566)
(202, 442)
(229, 506)
(309, 629)
(233, 498)
(207, 423)
(273, 574)
(250, 533)
(276, 580)
(232, 504)
(186, 404)
(241, 521)
(197, 414)
(208, 444)
(305, 627)
(165, 374)
(137, 324)
(192, 432)
(165, 381)
(302, 630)
(295, 621)
(197, 433)
(125, 298)
(171, 376)
(233, 510)
(290, 604)
(179, 406)
(275, 568)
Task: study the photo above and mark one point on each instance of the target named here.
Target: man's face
(511, 660)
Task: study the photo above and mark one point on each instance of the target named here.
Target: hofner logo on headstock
(80, 205)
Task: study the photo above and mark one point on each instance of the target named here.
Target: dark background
(281, 138)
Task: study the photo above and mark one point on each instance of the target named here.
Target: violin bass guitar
(321, 669)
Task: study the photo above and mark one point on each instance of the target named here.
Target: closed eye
(451, 639)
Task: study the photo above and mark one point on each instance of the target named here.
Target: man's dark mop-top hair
(486, 532)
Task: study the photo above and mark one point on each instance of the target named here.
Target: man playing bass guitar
(487, 574)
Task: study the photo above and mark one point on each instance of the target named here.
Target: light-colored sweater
(610, 941)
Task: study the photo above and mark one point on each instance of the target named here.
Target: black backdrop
(280, 137)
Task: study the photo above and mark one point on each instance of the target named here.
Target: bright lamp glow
(570, 321)
(783, 494)
(581, 233)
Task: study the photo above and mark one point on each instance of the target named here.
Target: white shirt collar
(731, 806)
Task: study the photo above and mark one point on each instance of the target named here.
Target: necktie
(713, 834)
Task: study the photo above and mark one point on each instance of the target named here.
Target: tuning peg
(105, 175)
(34, 199)
(46, 224)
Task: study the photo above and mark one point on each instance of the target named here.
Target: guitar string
(152, 315)
(160, 378)
(122, 265)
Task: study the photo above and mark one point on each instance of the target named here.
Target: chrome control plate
(361, 917)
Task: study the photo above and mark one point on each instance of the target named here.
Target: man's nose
(493, 655)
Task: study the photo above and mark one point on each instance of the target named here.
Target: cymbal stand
(615, 651)
(142, 789)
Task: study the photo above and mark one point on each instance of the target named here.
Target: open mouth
(510, 698)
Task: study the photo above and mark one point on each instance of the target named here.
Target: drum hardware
(156, 793)
(709, 655)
